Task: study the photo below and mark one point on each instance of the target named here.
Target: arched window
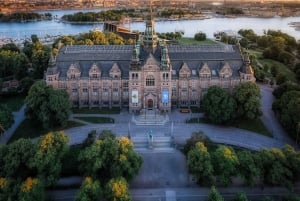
(150, 81)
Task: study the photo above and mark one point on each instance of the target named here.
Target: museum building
(148, 75)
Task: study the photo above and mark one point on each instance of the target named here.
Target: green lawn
(13, 102)
(113, 110)
(255, 125)
(281, 68)
(29, 129)
(192, 41)
(97, 120)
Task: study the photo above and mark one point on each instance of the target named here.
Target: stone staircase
(154, 143)
(150, 117)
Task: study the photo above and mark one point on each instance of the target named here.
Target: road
(187, 194)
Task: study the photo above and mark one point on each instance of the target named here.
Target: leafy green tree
(286, 57)
(297, 68)
(98, 38)
(225, 163)
(50, 150)
(34, 38)
(7, 63)
(11, 47)
(28, 49)
(288, 110)
(247, 96)
(32, 189)
(219, 107)
(115, 39)
(47, 106)
(40, 59)
(281, 78)
(199, 163)
(263, 41)
(290, 197)
(293, 161)
(16, 161)
(274, 70)
(9, 189)
(244, 42)
(89, 191)
(214, 195)
(240, 197)
(285, 87)
(274, 169)
(21, 66)
(196, 137)
(117, 190)
(200, 36)
(6, 117)
(247, 168)
(110, 157)
(3, 152)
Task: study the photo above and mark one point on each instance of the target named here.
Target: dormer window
(185, 71)
(74, 72)
(115, 71)
(94, 72)
(226, 71)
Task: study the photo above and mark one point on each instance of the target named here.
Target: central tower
(150, 38)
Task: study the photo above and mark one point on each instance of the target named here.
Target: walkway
(268, 117)
(18, 117)
(177, 129)
(186, 194)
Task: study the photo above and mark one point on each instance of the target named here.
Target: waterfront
(19, 31)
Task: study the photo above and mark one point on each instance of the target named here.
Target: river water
(190, 27)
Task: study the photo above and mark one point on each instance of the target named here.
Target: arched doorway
(150, 104)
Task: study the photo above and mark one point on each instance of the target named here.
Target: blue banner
(165, 96)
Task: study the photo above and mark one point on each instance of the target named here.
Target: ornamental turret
(165, 60)
(135, 60)
(150, 38)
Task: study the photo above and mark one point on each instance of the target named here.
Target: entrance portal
(150, 104)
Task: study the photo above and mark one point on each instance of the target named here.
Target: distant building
(147, 75)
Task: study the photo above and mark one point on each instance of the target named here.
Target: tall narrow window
(150, 81)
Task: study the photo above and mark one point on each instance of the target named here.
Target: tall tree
(219, 107)
(225, 162)
(199, 163)
(9, 189)
(247, 96)
(240, 197)
(50, 150)
(31, 190)
(274, 167)
(90, 190)
(247, 168)
(110, 157)
(293, 161)
(47, 106)
(288, 109)
(6, 118)
(117, 190)
(285, 87)
(16, 161)
(214, 195)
